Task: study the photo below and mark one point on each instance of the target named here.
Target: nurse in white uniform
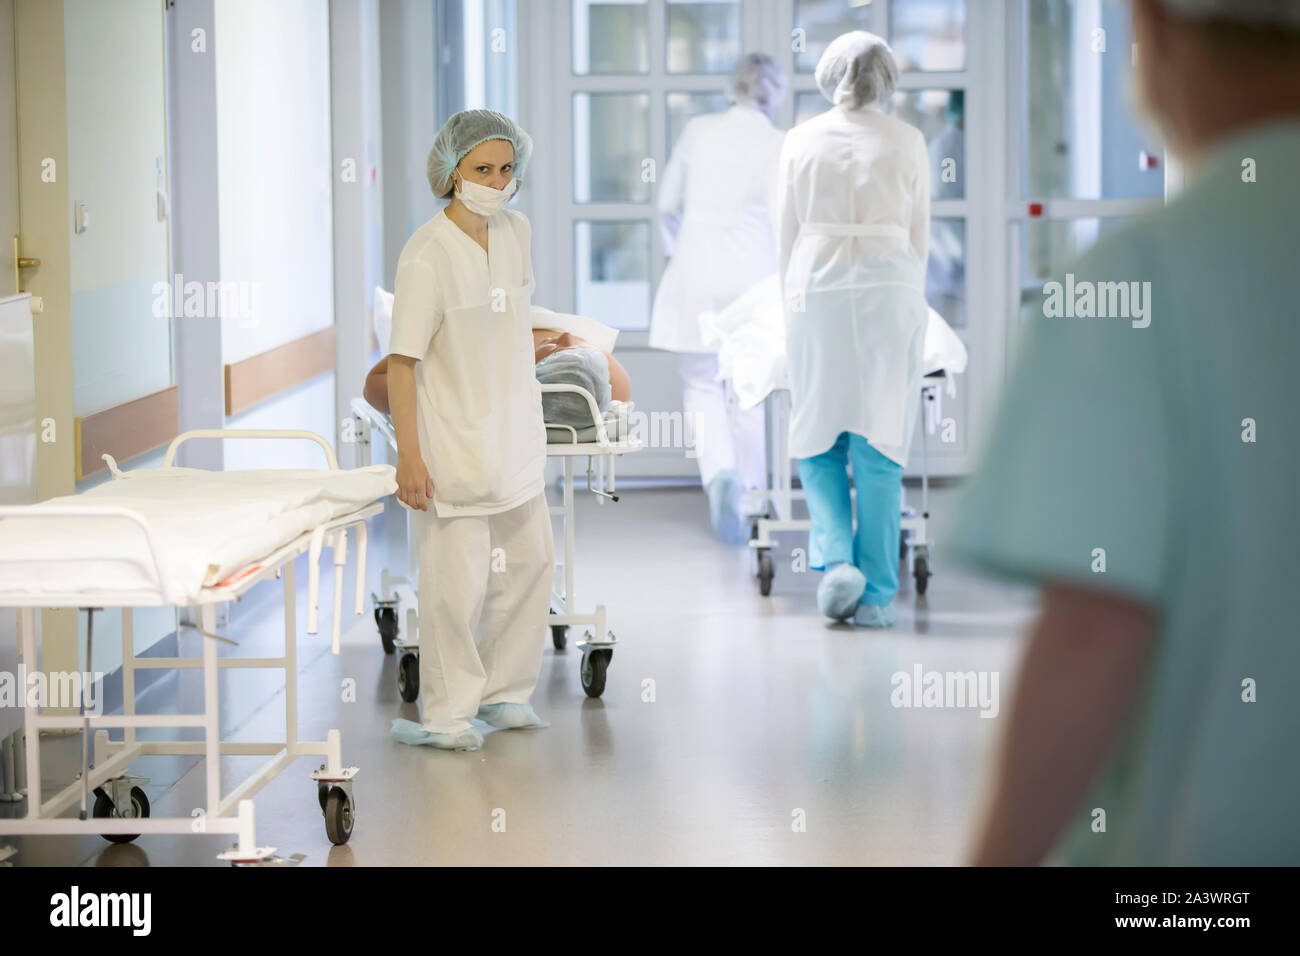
(714, 208)
(854, 226)
(471, 444)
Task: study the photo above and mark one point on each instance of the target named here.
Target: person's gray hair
(856, 70)
(760, 82)
(1261, 13)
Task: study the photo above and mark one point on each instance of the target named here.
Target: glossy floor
(735, 729)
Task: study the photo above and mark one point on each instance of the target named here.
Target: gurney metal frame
(117, 794)
(599, 641)
(773, 507)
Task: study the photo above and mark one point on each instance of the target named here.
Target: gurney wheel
(559, 635)
(921, 571)
(104, 808)
(386, 621)
(408, 677)
(592, 671)
(338, 817)
(765, 572)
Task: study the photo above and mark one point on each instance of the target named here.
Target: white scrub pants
(485, 588)
(725, 436)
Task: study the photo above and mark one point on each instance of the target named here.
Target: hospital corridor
(757, 434)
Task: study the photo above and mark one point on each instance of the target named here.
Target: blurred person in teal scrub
(1143, 470)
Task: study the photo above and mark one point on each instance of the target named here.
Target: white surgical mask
(484, 200)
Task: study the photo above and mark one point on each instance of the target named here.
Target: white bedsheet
(749, 335)
(206, 525)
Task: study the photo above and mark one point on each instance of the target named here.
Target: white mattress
(206, 526)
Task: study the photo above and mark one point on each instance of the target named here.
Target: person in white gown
(714, 208)
(854, 225)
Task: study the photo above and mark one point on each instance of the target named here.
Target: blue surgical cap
(463, 132)
(586, 368)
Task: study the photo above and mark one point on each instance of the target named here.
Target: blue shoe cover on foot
(874, 615)
(840, 589)
(409, 732)
(725, 492)
(510, 716)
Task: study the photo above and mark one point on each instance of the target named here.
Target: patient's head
(548, 342)
(587, 368)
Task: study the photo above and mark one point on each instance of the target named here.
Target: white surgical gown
(853, 226)
(714, 206)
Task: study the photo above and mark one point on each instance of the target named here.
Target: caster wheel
(559, 636)
(921, 572)
(338, 817)
(386, 621)
(902, 547)
(765, 573)
(104, 808)
(408, 677)
(593, 670)
(322, 794)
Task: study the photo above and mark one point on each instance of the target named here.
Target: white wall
(309, 405)
(116, 165)
(274, 167)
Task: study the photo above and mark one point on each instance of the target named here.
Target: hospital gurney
(136, 566)
(601, 443)
(772, 508)
(750, 336)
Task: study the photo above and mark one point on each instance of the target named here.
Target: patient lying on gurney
(561, 358)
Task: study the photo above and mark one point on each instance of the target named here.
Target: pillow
(600, 336)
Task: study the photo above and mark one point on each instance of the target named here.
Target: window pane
(1049, 246)
(941, 116)
(945, 271)
(683, 106)
(611, 36)
(611, 139)
(1082, 141)
(821, 21)
(703, 36)
(809, 104)
(928, 34)
(613, 272)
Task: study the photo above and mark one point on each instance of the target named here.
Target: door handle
(21, 262)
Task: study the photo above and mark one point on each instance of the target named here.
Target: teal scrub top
(1174, 447)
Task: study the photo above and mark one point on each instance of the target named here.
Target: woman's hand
(414, 486)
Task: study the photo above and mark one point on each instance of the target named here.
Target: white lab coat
(714, 207)
(853, 227)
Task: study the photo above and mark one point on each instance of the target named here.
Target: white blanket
(206, 526)
(749, 335)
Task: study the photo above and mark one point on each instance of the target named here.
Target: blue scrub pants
(879, 481)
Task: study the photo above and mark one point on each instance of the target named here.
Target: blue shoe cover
(840, 589)
(873, 615)
(409, 732)
(725, 492)
(510, 716)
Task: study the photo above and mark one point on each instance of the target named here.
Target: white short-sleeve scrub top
(464, 316)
